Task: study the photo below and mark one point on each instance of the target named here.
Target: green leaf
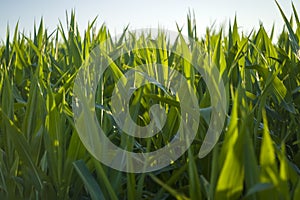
(23, 148)
(88, 180)
(293, 37)
(258, 188)
(230, 183)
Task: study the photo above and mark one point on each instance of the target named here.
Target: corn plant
(256, 157)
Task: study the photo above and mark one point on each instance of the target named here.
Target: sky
(117, 14)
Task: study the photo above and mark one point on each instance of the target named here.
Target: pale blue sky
(143, 14)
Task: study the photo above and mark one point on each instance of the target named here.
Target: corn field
(256, 157)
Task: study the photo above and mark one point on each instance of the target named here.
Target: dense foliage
(257, 156)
